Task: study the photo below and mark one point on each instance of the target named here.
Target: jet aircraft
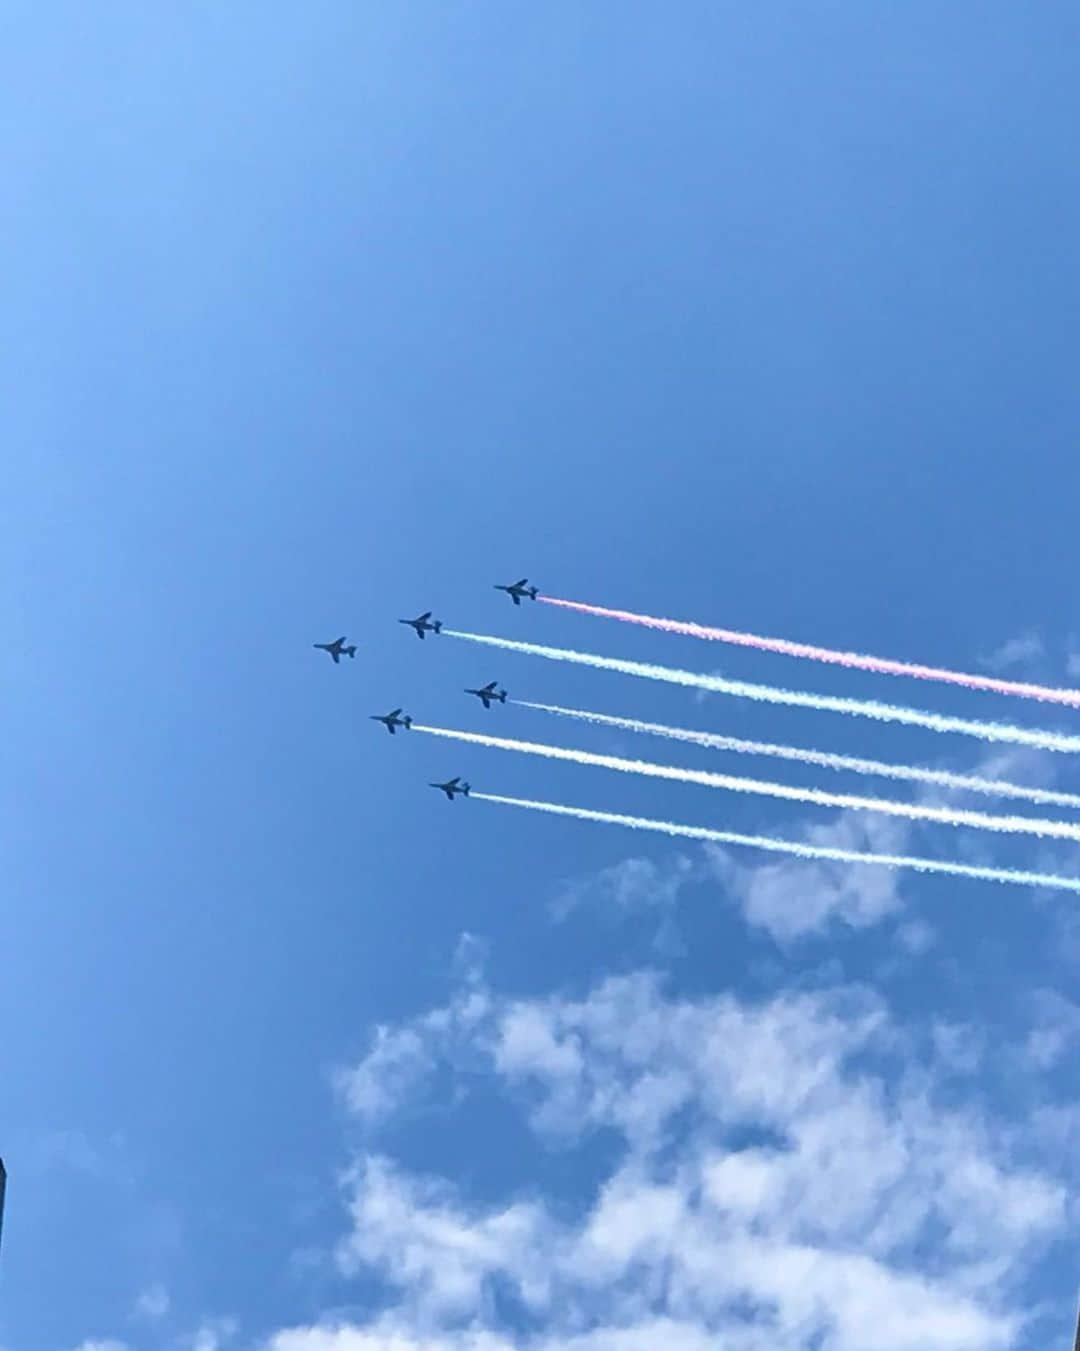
(337, 648)
(423, 624)
(517, 591)
(452, 786)
(392, 721)
(488, 693)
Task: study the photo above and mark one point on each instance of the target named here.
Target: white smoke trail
(940, 778)
(946, 816)
(860, 708)
(800, 850)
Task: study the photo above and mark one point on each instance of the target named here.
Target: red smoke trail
(856, 661)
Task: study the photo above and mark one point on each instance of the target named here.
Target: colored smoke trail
(777, 846)
(946, 816)
(856, 661)
(940, 778)
(741, 689)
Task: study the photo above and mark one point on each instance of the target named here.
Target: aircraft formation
(422, 625)
(946, 813)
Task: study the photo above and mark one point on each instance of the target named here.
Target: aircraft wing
(335, 653)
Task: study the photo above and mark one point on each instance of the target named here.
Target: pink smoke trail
(855, 661)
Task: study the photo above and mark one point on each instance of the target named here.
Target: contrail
(741, 689)
(856, 661)
(940, 778)
(814, 851)
(946, 816)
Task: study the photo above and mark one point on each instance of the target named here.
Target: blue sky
(319, 316)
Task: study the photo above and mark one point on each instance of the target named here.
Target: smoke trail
(741, 689)
(946, 816)
(800, 850)
(825, 759)
(856, 661)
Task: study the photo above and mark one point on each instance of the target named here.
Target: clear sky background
(320, 315)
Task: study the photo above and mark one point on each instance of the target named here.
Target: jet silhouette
(487, 694)
(392, 721)
(517, 591)
(421, 624)
(337, 648)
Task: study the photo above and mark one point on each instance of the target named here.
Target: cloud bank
(787, 1173)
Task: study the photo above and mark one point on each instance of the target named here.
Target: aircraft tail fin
(465, 788)
(532, 592)
(350, 651)
(407, 721)
(437, 626)
(501, 696)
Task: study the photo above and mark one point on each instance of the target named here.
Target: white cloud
(790, 898)
(633, 884)
(917, 936)
(386, 1335)
(795, 897)
(783, 1176)
(1020, 764)
(417, 1233)
(1055, 1031)
(152, 1303)
(400, 1059)
(959, 1047)
(211, 1335)
(387, 1074)
(1027, 650)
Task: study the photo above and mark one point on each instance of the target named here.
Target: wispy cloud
(960, 1048)
(73, 1150)
(917, 936)
(153, 1303)
(1025, 652)
(634, 884)
(1055, 1029)
(211, 1335)
(401, 1058)
(796, 897)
